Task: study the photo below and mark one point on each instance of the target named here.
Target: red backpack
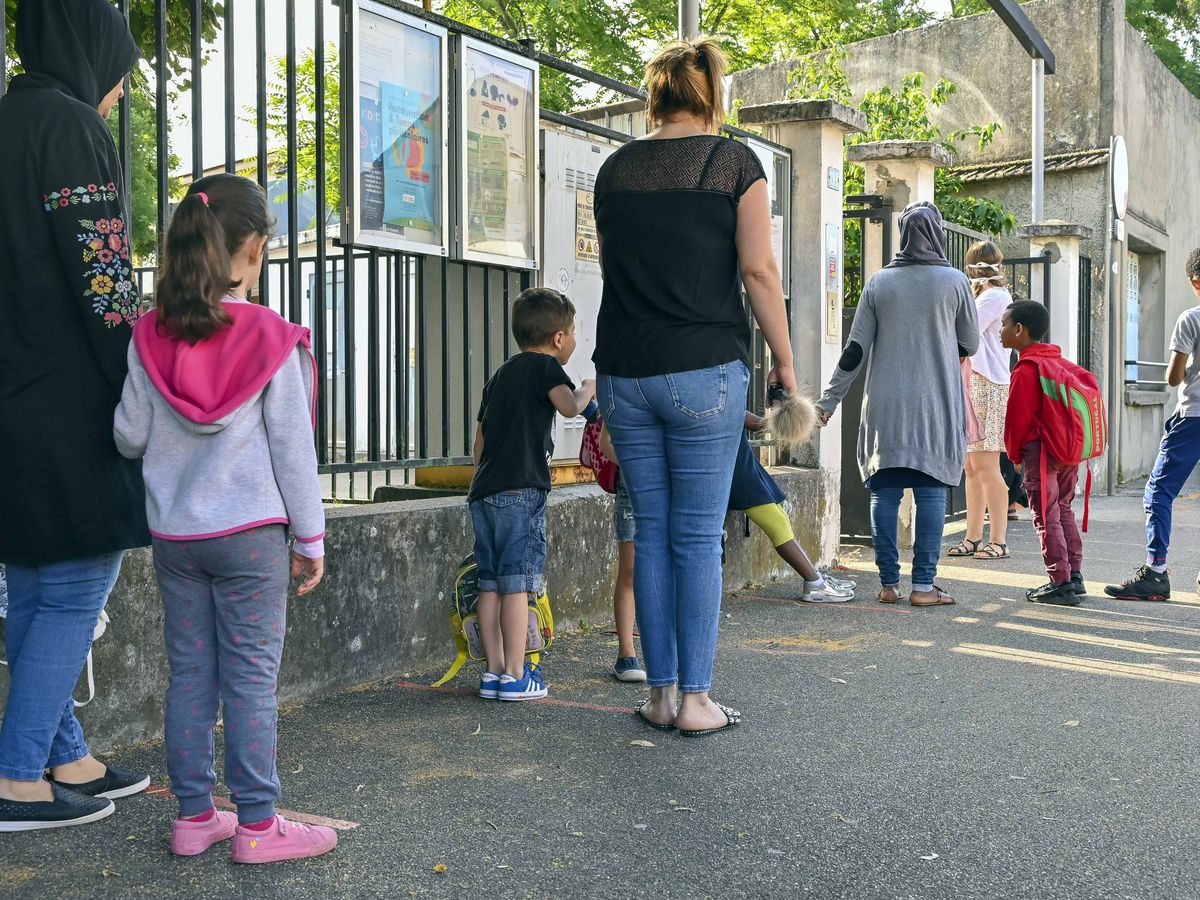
(1074, 424)
(590, 456)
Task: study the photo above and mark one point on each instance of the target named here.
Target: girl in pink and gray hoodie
(219, 403)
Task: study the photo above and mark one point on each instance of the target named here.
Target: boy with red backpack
(1055, 421)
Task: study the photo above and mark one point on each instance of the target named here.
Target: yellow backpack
(464, 623)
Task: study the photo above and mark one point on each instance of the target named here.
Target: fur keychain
(791, 417)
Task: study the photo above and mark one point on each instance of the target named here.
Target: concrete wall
(383, 607)
(992, 73)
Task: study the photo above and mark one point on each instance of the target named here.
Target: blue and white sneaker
(489, 686)
(627, 668)
(531, 687)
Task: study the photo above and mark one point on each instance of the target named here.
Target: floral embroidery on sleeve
(90, 193)
(106, 252)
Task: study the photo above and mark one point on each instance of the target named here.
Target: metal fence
(403, 342)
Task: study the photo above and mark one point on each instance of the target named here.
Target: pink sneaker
(193, 838)
(283, 840)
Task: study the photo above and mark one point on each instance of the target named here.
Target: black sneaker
(112, 785)
(1146, 584)
(1055, 594)
(1077, 583)
(67, 808)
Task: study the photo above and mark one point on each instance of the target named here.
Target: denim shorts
(510, 540)
(623, 524)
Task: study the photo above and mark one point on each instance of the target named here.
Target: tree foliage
(612, 38)
(905, 113)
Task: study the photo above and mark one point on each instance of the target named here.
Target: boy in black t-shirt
(513, 444)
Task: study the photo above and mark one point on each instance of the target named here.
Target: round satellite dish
(1120, 176)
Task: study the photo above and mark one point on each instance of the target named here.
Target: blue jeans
(1177, 457)
(224, 620)
(510, 541)
(927, 543)
(52, 613)
(677, 438)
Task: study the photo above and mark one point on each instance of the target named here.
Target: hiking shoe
(193, 838)
(627, 668)
(1077, 583)
(827, 593)
(1055, 594)
(1146, 584)
(283, 840)
(530, 687)
(112, 785)
(67, 808)
(489, 685)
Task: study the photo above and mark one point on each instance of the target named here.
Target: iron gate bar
(373, 441)
(160, 112)
(231, 100)
(549, 115)
(293, 178)
(319, 283)
(349, 347)
(197, 73)
(443, 390)
(124, 129)
(260, 55)
(422, 368)
(466, 330)
(1085, 312)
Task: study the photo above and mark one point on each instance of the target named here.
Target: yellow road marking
(1078, 664)
(1093, 639)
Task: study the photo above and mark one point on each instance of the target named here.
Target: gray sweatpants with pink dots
(224, 605)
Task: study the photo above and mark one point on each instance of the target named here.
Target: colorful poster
(370, 158)
(501, 110)
(402, 165)
(410, 191)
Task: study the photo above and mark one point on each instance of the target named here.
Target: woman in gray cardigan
(915, 320)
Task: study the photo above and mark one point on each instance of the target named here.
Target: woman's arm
(858, 348)
(760, 275)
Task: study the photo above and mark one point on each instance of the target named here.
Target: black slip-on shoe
(1077, 583)
(113, 784)
(1054, 594)
(68, 808)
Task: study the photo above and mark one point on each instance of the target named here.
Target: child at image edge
(513, 444)
(219, 402)
(1023, 325)
(1177, 454)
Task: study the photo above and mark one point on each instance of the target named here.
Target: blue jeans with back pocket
(676, 438)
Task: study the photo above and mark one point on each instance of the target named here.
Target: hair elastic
(203, 197)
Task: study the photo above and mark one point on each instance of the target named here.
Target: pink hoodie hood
(209, 380)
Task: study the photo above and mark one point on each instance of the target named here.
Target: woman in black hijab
(69, 502)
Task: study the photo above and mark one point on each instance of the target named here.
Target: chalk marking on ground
(969, 620)
(1001, 579)
(1078, 664)
(990, 608)
(549, 701)
(1093, 639)
(303, 818)
(783, 601)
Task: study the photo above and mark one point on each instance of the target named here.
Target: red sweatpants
(1062, 544)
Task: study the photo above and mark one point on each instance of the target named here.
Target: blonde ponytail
(687, 77)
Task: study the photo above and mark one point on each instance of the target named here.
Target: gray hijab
(922, 237)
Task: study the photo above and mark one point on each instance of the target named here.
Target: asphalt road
(990, 749)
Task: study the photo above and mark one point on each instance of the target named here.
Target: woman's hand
(313, 571)
(823, 417)
(784, 375)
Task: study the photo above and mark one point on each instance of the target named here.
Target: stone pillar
(814, 130)
(899, 171)
(1063, 241)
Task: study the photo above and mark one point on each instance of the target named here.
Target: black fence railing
(1136, 368)
(403, 342)
(1085, 312)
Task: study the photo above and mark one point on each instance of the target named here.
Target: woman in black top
(69, 502)
(681, 214)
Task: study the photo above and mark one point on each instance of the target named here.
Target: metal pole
(1039, 140)
(689, 19)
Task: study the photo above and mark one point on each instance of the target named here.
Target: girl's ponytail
(211, 223)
